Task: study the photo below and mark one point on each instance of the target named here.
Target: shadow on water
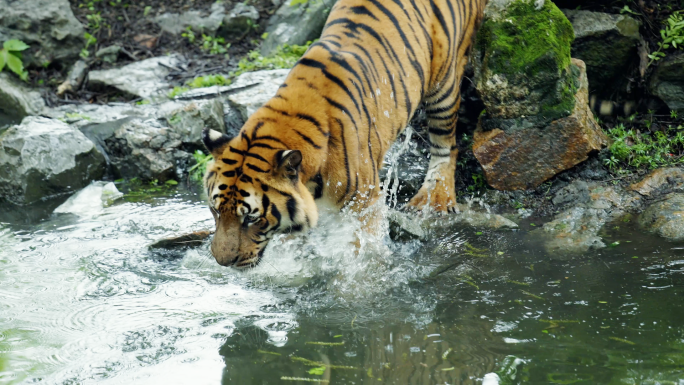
(83, 300)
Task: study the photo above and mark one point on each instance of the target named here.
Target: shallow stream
(83, 301)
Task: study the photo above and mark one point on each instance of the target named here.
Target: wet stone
(248, 100)
(43, 157)
(17, 100)
(665, 218)
(175, 23)
(660, 179)
(523, 158)
(296, 24)
(146, 78)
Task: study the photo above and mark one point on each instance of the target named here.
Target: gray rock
(250, 99)
(238, 22)
(43, 157)
(109, 54)
(175, 23)
(576, 192)
(190, 120)
(146, 78)
(296, 24)
(665, 218)
(74, 79)
(47, 26)
(607, 43)
(146, 149)
(667, 81)
(17, 100)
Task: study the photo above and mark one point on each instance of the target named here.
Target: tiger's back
(326, 131)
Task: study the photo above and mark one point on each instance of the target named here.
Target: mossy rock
(522, 64)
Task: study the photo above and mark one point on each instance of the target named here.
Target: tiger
(324, 135)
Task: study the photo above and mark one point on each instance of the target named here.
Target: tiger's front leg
(439, 187)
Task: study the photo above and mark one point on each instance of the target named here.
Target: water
(83, 301)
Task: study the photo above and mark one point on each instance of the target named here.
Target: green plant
(189, 34)
(10, 56)
(198, 170)
(209, 81)
(94, 21)
(640, 149)
(285, 56)
(90, 40)
(214, 45)
(672, 36)
(177, 91)
(673, 114)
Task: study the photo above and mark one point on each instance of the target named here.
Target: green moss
(285, 56)
(528, 40)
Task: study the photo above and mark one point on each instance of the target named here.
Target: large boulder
(518, 158)
(296, 23)
(17, 100)
(191, 119)
(146, 78)
(43, 157)
(607, 43)
(667, 81)
(146, 149)
(522, 64)
(665, 218)
(47, 26)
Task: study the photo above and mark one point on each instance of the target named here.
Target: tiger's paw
(439, 199)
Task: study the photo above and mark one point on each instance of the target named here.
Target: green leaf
(14, 64)
(171, 182)
(15, 45)
(317, 371)
(3, 59)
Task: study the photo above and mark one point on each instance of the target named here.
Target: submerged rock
(524, 157)
(574, 231)
(146, 78)
(266, 84)
(667, 81)
(17, 100)
(296, 24)
(49, 27)
(607, 43)
(43, 157)
(665, 218)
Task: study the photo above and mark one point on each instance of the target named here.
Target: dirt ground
(125, 23)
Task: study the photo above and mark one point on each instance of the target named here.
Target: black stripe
(244, 193)
(255, 168)
(229, 174)
(306, 138)
(316, 64)
(439, 131)
(276, 214)
(439, 110)
(315, 122)
(318, 180)
(281, 112)
(256, 128)
(246, 178)
(291, 208)
(256, 156)
(268, 137)
(265, 202)
(235, 150)
(361, 10)
(263, 145)
(223, 187)
(346, 160)
(228, 161)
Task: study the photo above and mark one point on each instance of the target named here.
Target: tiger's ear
(214, 141)
(288, 164)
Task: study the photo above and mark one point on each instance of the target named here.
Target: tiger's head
(255, 191)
